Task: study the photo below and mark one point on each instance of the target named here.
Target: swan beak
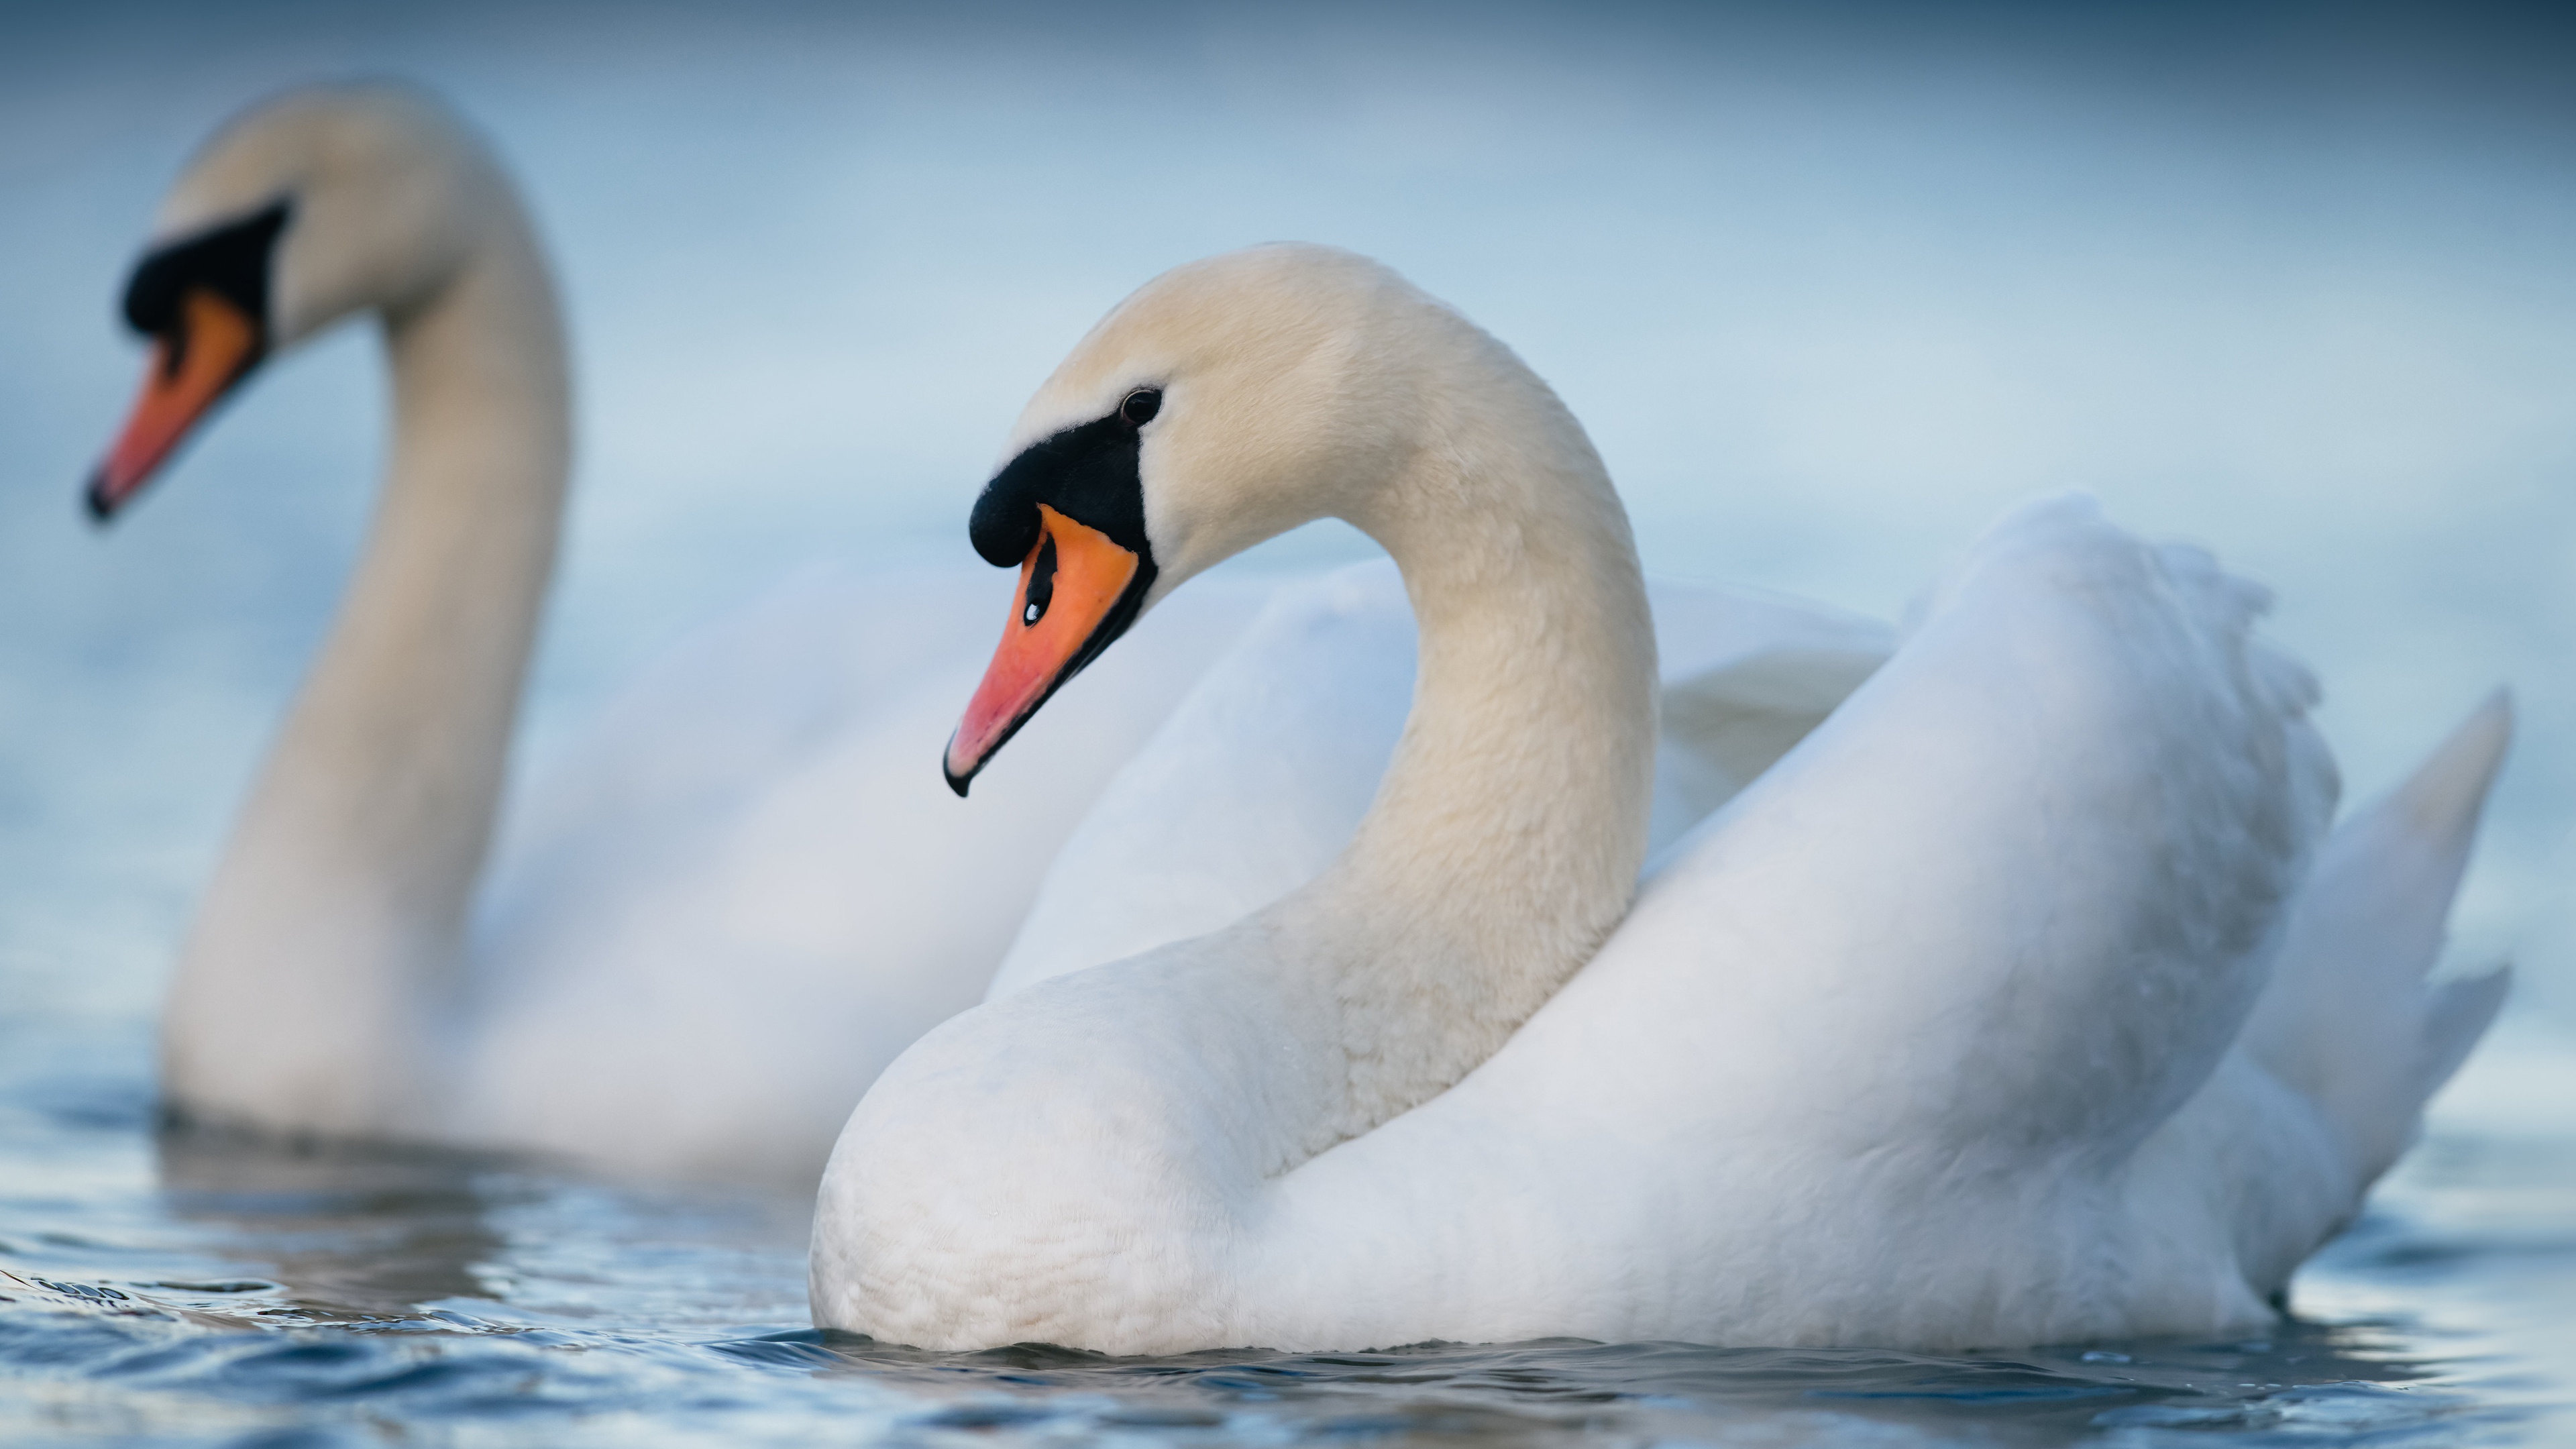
(214, 346)
(1078, 591)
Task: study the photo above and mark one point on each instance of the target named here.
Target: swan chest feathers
(1090, 1142)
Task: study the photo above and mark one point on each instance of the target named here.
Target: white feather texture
(2001, 1009)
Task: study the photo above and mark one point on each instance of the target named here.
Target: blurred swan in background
(2027, 999)
(741, 893)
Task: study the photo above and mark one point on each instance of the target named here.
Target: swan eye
(1139, 407)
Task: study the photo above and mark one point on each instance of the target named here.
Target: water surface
(190, 1290)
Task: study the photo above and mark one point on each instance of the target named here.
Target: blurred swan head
(314, 205)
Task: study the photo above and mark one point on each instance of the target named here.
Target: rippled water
(1828, 291)
(208, 1291)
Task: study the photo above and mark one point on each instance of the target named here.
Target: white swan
(2026, 999)
(741, 895)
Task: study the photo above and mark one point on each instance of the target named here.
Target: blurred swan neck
(338, 910)
(419, 684)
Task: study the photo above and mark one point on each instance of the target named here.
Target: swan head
(311, 206)
(1225, 402)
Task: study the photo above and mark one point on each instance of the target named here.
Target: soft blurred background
(1830, 285)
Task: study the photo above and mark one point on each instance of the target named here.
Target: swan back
(1926, 1038)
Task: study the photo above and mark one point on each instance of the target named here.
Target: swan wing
(2025, 886)
(735, 704)
(1867, 1059)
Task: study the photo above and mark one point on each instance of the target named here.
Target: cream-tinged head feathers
(387, 195)
(315, 205)
(1236, 398)
(1293, 385)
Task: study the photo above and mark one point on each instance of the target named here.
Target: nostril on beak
(1041, 590)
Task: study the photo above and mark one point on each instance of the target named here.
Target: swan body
(2027, 998)
(710, 926)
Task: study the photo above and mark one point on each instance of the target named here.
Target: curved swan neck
(342, 898)
(1505, 839)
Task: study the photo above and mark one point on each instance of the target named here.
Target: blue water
(192, 1291)
(1828, 288)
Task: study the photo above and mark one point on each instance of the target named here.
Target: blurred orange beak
(1077, 593)
(213, 347)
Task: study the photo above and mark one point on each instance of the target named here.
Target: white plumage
(2026, 999)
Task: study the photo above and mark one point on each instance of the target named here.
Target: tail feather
(2347, 1020)
(2458, 1014)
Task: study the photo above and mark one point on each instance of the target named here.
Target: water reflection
(2305, 1376)
(224, 1285)
(347, 1231)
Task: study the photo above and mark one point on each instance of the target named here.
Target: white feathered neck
(1304, 382)
(1505, 841)
(336, 914)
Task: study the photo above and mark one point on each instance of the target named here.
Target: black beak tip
(956, 782)
(97, 500)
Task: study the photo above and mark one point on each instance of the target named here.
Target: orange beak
(213, 346)
(1078, 591)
